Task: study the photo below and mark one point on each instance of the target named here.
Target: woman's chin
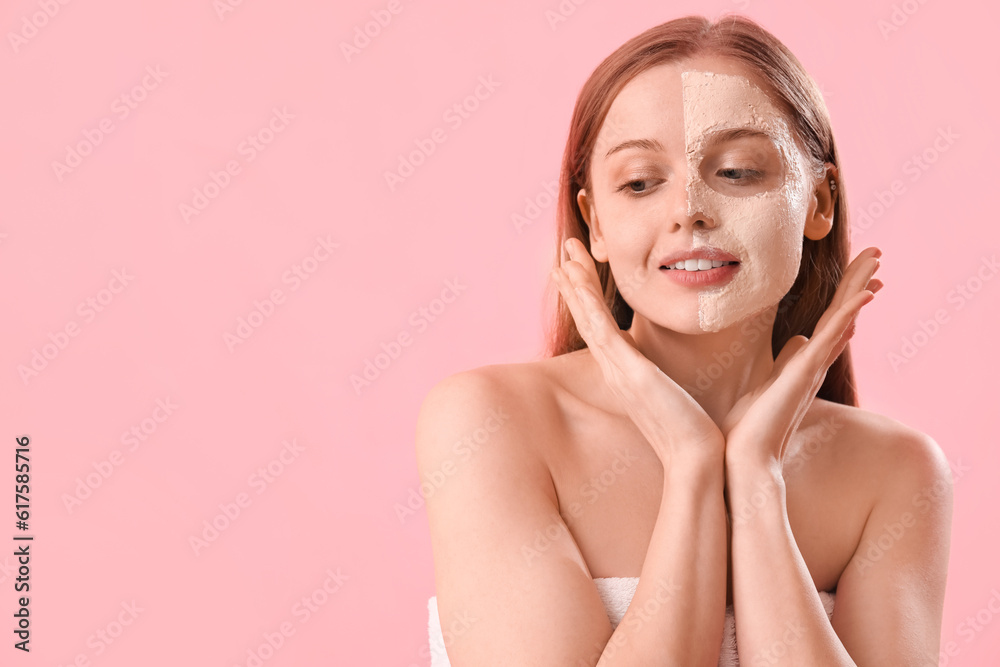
(687, 324)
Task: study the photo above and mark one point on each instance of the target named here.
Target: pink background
(332, 505)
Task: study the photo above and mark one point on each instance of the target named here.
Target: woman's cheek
(763, 232)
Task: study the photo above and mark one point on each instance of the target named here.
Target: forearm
(678, 611)
(780, 619)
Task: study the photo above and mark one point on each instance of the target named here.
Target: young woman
(687, 479)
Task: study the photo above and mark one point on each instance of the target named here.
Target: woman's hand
(678, 429)
(761, 423)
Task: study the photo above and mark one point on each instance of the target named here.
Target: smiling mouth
(694, 265)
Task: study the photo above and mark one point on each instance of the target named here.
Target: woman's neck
(716, 368)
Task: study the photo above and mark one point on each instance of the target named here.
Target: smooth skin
(599, 463)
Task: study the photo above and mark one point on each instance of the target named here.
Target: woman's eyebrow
(733, 133)
(719, 136)
(645, 144)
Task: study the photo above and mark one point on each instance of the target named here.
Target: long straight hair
(738, 38)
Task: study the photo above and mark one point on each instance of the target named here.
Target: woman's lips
(714, 276)
(703, 252)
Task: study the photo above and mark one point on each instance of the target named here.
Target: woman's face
(694, 161)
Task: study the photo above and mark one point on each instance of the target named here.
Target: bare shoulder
(460, 412)
(502, 553)
(878, 449)
(484, 398)
(895, 577)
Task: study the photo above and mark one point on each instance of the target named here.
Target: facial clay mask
(764, 230)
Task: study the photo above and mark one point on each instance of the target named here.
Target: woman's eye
(741, 175)
(635, 187)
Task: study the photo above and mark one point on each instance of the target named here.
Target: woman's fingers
(595, 316)
(578, 272)
(580, 286)
(860, 270)
(580, 267)
(857, 278)
(836, 327)
(854, 277)
(579, 253)
(831, 340)
(791, 347)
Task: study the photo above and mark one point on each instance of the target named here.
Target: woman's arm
(510, 579)
(678, 612)
(889, 597)
(511, 576)
(780, 619)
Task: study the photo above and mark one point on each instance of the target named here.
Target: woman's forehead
(681, 100)
(714, 101)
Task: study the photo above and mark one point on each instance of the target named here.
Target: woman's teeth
(698, 264)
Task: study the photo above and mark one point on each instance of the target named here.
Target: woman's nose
(687, 211)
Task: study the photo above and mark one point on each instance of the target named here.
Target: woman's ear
(819, 220)
(589, 213)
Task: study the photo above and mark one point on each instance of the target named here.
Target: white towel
(616, 594)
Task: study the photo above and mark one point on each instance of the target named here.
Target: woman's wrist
(750, 459)
(750, 478)
(700, 468)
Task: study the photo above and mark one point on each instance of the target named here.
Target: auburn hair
(741, 39)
